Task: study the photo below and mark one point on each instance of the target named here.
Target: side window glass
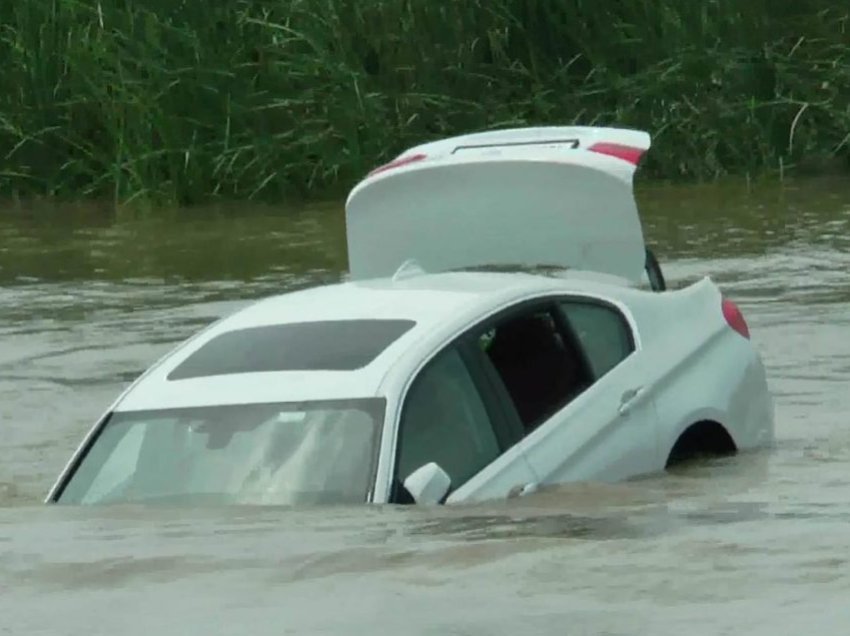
(540, 366)
(444, 420)
(603, 333)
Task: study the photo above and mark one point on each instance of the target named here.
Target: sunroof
(332, 345)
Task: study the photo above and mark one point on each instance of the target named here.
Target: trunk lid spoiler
(548, 196)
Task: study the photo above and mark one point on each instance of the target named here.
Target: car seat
(540, 371)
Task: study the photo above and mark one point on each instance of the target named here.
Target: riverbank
(270, 100)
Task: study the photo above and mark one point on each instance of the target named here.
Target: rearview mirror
(428, 484)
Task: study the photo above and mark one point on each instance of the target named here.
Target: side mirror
(428, 484)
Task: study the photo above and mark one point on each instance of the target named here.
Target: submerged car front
(278, 414)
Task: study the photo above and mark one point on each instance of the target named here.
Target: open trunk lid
(553, 196)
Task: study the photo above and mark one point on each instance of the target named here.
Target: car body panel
(431, 303)
(520, 205)
(740, 402)
(590, 439)
(536, 139)
(511, 474)
(701, 369)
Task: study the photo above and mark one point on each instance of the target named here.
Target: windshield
(278, 454)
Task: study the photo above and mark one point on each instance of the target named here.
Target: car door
(450, 416)
(572, 371)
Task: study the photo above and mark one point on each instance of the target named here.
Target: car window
(333, 345)
(603, 333)
(444, 420)
(119, 464)
(275, 453)
(540, 366)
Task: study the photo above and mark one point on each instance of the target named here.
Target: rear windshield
(333, 345)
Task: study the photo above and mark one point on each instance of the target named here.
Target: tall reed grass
(183, 100)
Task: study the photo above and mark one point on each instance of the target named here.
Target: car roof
(440, 303)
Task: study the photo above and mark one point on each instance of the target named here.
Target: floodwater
(754, 544)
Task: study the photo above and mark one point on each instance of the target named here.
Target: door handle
(628, 399)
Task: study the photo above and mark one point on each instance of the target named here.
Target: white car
(502, 330)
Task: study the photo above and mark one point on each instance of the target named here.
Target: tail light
(626, 153)
(734, 318)
(398, 163)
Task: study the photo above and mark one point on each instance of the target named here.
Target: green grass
(183, 101)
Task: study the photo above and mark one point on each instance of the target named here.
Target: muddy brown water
(755, 544)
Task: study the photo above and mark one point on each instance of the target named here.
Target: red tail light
(734, 318)
(402, 161)
(626, 153)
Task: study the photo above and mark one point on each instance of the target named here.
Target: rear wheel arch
(703, 438)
